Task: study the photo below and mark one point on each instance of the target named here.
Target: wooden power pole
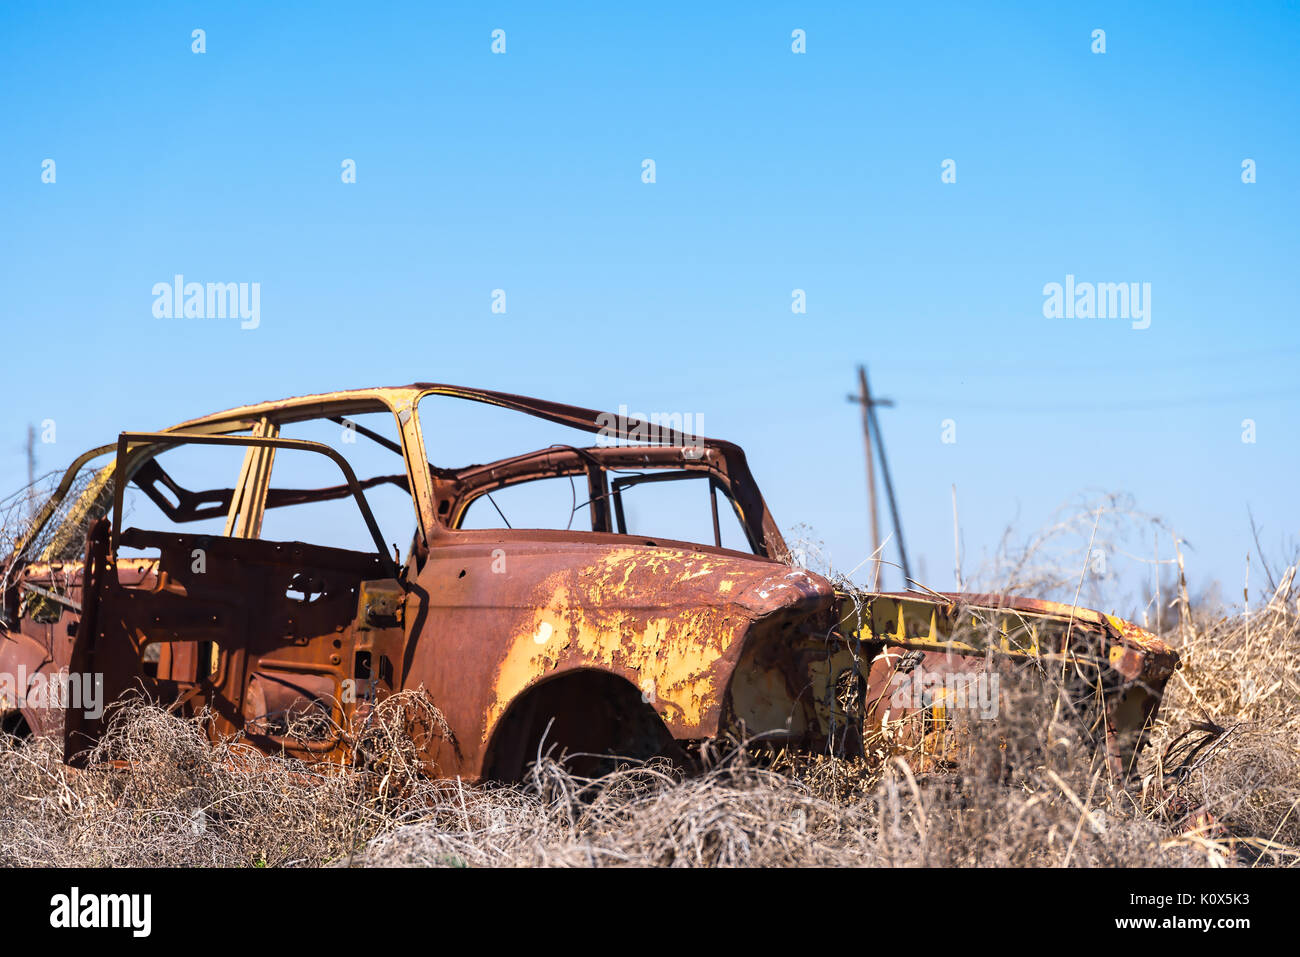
(875, 445)
(864, 399)
(31, 473)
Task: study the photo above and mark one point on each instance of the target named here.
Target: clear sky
(774, 171)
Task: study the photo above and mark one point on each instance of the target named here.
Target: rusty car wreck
(611, 639)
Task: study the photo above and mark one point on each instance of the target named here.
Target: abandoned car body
(613, 639)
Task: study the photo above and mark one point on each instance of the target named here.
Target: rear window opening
(651, 504)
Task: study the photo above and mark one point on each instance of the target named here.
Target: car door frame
(117, 659)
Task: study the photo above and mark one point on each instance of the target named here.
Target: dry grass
(1238, 693)
(1029, 794)
(1219, 785)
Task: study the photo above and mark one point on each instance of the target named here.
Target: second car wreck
(624, 637)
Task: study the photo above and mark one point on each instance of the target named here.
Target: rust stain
(626, 613)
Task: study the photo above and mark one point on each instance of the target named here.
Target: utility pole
(864, 399)
(875, 445)
(31, 473)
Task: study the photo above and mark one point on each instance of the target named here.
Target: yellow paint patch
(598, 619)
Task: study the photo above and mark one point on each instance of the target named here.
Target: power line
(978, 367)
(1131, 405)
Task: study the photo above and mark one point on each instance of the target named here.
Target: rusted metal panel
(1111, 668)
(671, 623)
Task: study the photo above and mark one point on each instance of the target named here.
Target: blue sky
(774, 171)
